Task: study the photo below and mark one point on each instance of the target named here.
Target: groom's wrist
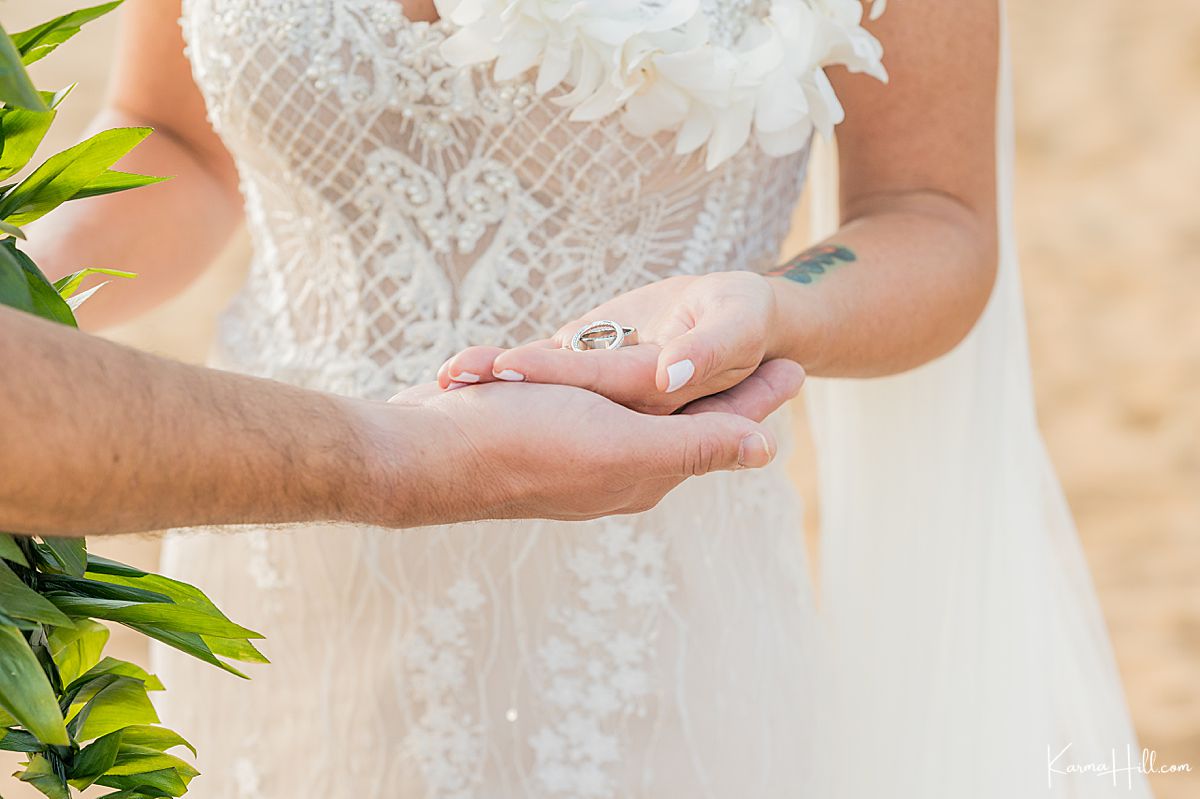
(403, 467)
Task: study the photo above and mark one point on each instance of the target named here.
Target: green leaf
(19, 601)
(39, 42)
(12, 230)
(14, 285)
(21, 131)
(235, 649)
(41, 775)
(71, 553)
(133, 750)
(9, 550)
(80, 586)
(158, 738)
(63, 175)
(25, 692)
(15, 86)
(19, 741)
(181, 593)
(119, 702)
(166, 616)
(112, 181)
(188, 643)
(94, 760)
(100, 565)
(115, 667)
(67, 286)
(21, 624)
(78, 649)
(167, 782)
(133, 759)
(45, 301)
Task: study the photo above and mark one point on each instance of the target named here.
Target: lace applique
(456, 213)
(259, 564)
(595, 667)
(445, 740)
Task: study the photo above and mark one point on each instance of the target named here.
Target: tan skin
(917, 170)
(918, 212)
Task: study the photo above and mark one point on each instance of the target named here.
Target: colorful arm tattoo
(811, 264)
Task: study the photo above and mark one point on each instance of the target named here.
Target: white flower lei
(655, 62)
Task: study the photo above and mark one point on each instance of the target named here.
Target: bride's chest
(370, 54)
(316, 87)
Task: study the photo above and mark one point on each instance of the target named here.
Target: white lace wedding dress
(402, 209)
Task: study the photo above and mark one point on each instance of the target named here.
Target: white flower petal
(779, 143)
(518, 55)
(826, 110)
(657, 64)
(556, 63)
(781, 104)
(696, 130)
(730, 133)
(466, 47)
(674, 14)
(603, 102)
(460, 12)
(660, 108)
(591, 73)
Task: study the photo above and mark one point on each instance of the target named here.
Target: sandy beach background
(1108, 107)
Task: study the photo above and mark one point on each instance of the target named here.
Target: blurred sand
(1108, 117)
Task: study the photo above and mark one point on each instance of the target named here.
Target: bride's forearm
(898, 285)
(166, 233)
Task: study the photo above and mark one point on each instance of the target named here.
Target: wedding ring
(603, 335)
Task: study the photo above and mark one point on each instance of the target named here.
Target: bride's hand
(699, 336)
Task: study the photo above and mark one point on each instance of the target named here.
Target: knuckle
(701, 455)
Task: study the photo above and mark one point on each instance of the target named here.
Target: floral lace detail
(434, 207)
(595, 668)
(445, 741)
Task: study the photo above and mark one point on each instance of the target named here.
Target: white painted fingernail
(678, 374)
(511, 375)
(465, 377)
(454, 386)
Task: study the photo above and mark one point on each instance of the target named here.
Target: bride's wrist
(799, 327)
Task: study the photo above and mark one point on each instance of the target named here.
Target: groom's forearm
(99, 438)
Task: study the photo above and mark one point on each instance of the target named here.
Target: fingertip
(443, 373)
(511, 366)
(788, 375)
(679, 374)
(756, 451)
(472, 365)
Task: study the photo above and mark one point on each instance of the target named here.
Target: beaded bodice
(402, 209)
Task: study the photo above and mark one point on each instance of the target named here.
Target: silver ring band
(603, 335)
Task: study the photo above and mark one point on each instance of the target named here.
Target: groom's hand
(540, 451)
